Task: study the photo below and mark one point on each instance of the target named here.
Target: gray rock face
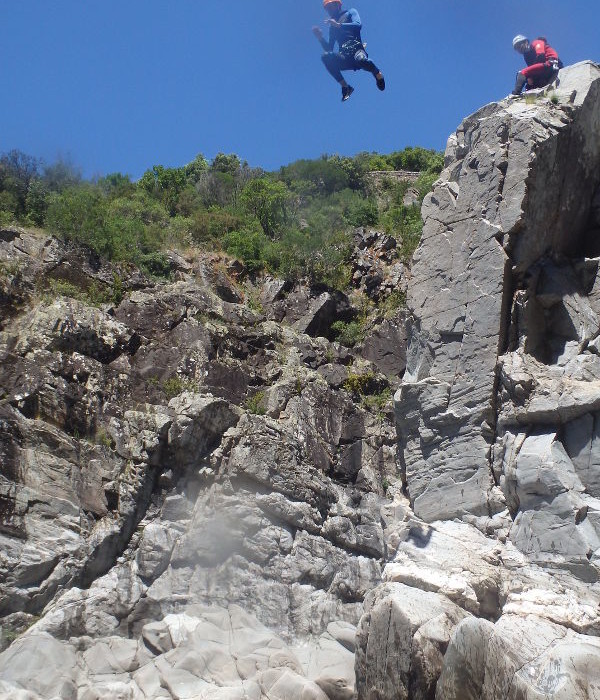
(139, 479)
(496, 417)
(516, 194)
(202, 652)
(197, 501)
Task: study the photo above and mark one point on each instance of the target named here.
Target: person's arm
(353, 19)
(326, 45)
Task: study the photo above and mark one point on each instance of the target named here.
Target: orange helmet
(328, 2)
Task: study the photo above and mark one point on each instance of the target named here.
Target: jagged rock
(42, 664)
(69, 325)
(205, 650)
(310, 310)
(452, 559)
(385, 346)
(499, 207)
(464, 667)
(401, 642)
(524, 658)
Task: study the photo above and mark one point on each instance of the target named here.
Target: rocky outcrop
(496, 417)
(200, 493)
(169, 452)
(201, 652)
(513, 203)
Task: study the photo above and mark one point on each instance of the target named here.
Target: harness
(351, 48)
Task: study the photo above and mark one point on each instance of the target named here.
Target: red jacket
(541, 60)
(540, 51)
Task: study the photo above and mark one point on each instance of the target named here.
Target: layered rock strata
(493, 591)
(179, 461)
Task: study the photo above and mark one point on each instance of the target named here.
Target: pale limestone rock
(499, 204)
(401, 641)
(452, 559)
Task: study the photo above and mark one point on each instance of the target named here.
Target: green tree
(326, 174)
(266, 200)
(60, 175)
(17, 171)
(79, 213)
(116, 185)
(247, 245)
(36, 202)
(363, 213)
(223, 163)
(165, 184)
(196, 169)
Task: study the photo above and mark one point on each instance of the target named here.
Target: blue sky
(121, 85)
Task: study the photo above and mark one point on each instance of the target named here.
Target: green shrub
(247, 245)
(254, 404)
(7, 218)
(327, 175)
(155, 264)
(95, 294)
(8, 203)
(359, 383)
(349, 334)
(63, 288)
(103, 438)
(394, 301)
(365, 213)
(377, 402)
(175, 385)
(79, 213)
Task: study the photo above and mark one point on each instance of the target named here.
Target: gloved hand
(317, 32)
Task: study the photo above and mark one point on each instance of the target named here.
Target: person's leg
(537, 75)
(335, 64)
(543, 78)
(363, 62)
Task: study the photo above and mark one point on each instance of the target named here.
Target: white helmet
(519, 42)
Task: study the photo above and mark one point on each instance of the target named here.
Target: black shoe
(380, 82)
(346, 92)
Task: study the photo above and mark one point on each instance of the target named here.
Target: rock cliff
(201, 496)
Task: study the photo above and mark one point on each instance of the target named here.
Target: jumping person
(344, 28)
(542, 63)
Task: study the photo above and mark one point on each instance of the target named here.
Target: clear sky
(121, 85)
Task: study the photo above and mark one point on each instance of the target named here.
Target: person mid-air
(344, 29)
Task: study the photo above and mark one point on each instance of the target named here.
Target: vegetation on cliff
(295, 222)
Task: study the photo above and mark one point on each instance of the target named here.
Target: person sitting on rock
(542, 63)
(344, 28)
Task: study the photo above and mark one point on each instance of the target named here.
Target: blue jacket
(350, 30)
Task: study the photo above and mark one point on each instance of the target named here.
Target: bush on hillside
(327, 175)
(266, 200)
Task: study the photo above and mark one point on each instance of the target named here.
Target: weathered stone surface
(205, 651)
(401, 642)
(197, 500)
(452, 559)
(498, 208)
